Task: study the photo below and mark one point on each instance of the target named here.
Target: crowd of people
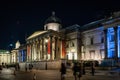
(16, 66)
(78, 70)
(29, 67)
(4, 65)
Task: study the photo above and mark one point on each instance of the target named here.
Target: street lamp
(46, 41)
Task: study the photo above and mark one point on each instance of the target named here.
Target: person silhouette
(63, 71)
(77, 70)
(83, 68)
(92, 69)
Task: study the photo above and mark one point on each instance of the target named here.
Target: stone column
(55, 56)
(35, 50)
(79, 44)
(105, 43)
(79, 53)
(16, 56)
(61, 54)
(31, 51)
(51, 56)
(29, 57)
(42, 48)
(59, 48)
(116, 42)
(46, 49)
(27, 53)
(39, 49)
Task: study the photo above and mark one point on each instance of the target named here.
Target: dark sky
(21, 18)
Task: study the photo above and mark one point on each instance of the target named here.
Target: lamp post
(46, 41)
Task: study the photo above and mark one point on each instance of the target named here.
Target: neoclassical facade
(101, 39)
(47, 44)
(98, 40)
(19, 53)
(15, 53)
(93, 44)
(112, 37)
(4, 57)
(72, 42)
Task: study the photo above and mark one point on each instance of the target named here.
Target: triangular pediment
(35, 34)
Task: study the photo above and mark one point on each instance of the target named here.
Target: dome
(53, 19)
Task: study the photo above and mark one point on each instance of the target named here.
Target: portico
(46, 44)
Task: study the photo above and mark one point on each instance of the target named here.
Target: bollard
(34, 76)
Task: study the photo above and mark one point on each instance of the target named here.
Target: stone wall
(41, 65)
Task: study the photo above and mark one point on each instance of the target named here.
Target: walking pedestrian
(83, 68)
(63, 71)
(34, 76)
(77, 70)
(30, 67)
(92, 68)
(18, 66)
(26, 67)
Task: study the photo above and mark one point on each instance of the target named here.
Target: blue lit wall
(119, 41)
(19, 58)
(111, 43)
(22, 55)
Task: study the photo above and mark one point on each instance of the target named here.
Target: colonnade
(115, 42)
(45, 48)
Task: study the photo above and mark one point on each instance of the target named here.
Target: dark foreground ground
(55, 75)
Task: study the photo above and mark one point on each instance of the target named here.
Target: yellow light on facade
(7, 52)
(46, 40)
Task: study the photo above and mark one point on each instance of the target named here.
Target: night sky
(20, 19)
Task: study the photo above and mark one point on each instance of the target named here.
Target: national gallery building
(98, 40)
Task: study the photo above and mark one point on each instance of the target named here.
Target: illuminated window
(92, 54)
(102, 54)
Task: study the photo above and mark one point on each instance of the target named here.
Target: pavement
(99, 75)
(55, 75)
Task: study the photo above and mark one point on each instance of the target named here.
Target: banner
(28, 50)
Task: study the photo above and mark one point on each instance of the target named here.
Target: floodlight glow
(111, 44)
(119, 41)
(46, 40)
(7, 51)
